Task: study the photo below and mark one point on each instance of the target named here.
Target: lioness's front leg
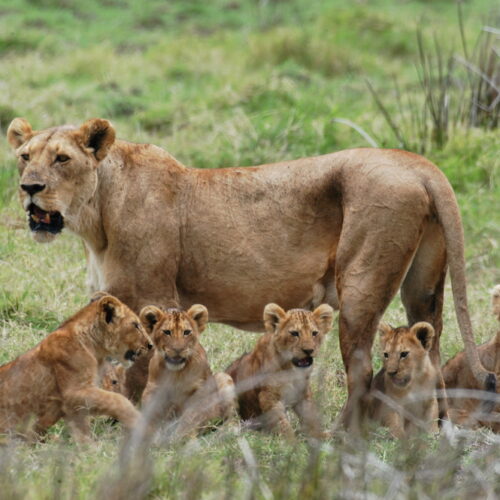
(100, 402)
(309, 417)
(274, 413)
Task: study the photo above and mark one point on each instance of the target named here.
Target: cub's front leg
(309, 417)
(274, 413)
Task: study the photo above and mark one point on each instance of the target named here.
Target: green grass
(220, 83)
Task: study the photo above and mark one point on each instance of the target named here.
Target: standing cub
(470, 411)
(402, 395)
(180, 383)
(57, 378)
(275, 375)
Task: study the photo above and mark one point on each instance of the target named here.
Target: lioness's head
(175, 333)
(298, 333)
(58, 174)
(120, 332)
(405, 350)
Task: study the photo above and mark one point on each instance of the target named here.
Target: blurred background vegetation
(242, 82)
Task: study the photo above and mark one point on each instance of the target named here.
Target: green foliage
(235, 82)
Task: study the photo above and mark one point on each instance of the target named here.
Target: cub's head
(57, 167)
(175, 333)
(495, 301)
(405, 350)
(298, 333)
(120, 333)
(113, 378)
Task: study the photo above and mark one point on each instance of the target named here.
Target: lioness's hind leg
(422, 295)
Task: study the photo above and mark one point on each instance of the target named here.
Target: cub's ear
(97, 134)
(110, 308)
(150, 315)
(98, 295)
(273, 314)
(384, 328)
(19, 132)
(323, 315)
(199, 314)
(424, 333)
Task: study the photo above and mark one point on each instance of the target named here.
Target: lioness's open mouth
(303, 362)
(41, 220)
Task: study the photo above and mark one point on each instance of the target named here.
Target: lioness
(57, 378)
(180, 384)
(348, 229)
(275, 375)
(403, 393)
(469, 411)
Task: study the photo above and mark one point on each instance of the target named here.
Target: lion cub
(57, 378)
(457, 375)
(181, 387)
(402, 395)
(275, 375)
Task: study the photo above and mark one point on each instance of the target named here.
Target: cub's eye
(136, 325)
(314, 333)
(294, 333)
(404, 354)
(62, 158)
(25, 156)
(114, 382)
(187, 332)
(386, 354)
(167, 332)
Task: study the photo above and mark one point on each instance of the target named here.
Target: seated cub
(57, 378)
(402, 395)
(275, 375)
(469, 411)
(181, 388)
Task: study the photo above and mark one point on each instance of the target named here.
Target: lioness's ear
(495, 301)
(97, 295)
(98, 135)
(199, 314)
(323, 315)
(273, 314)
(424, 333)
(110, 308)
(19, 132)
(150, 315)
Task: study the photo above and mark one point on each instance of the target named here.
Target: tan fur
(407, 381)
(112, 377)
(57, 378)
(457, 375)
(180, 384)
(268, 380)
(349, 229)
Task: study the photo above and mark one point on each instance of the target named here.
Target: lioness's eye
(386, 354)
(62, 158)
(294, 333)
(167, 332)
(187, 332)
(315, 333)
(25, 156)
(404, 354)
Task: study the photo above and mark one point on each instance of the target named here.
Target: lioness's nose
(31, 189)
(308, 351)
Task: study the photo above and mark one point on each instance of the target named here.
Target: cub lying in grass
(468, 411)
(181, 388)
(275, 375)
(57, 378)
(402, 395)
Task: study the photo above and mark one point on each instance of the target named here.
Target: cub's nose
(31, 189)
(308, 351)
(150, 346)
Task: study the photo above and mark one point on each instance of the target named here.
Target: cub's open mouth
(40, 220)
(130, 355)
(178, 360)
(303, 362)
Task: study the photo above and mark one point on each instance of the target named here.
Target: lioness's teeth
(35, 218)
(46, 218)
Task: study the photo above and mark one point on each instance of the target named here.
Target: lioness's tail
(448, 214)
